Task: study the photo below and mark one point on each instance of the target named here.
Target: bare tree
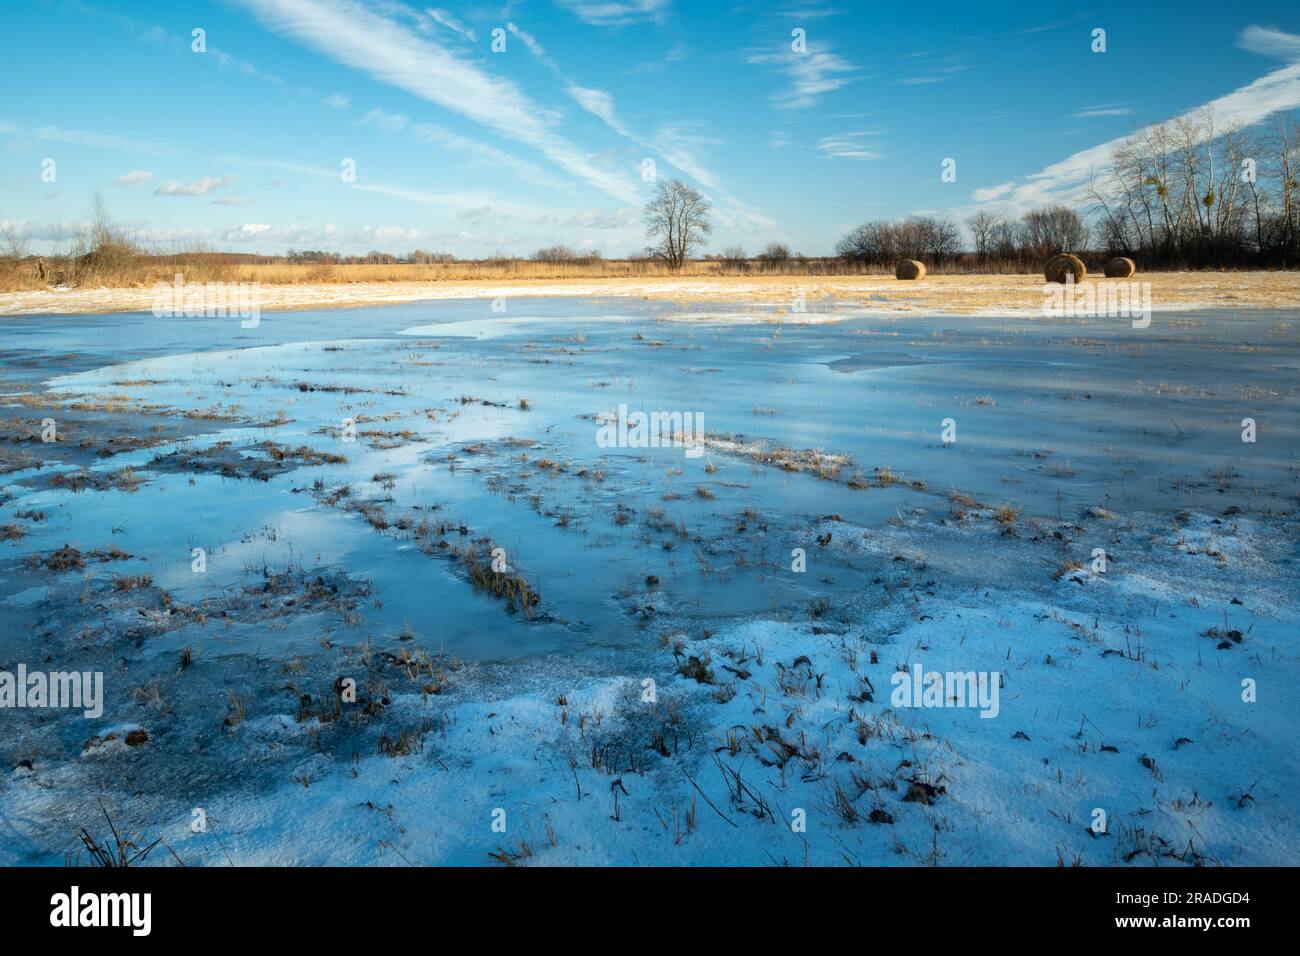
(733, 257)
(1194, 192)
(983, 226)
(883, 242)
(943, 241)
(12, 244)
(1286, 144)
(869, 242)
(555, 254)
(1045, 232)
(676, 221)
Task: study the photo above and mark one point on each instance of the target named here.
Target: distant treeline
(1187, 194)
(1178, 195)
(1183, 194)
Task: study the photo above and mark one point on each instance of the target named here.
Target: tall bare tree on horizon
(676, 220)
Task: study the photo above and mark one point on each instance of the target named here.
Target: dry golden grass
(122, 265)
(502, 270)
(286, 287)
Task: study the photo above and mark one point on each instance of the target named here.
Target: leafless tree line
(883, 242)
(1187, 193)
(1181, 194)
(1022, 242)
(1033, 237)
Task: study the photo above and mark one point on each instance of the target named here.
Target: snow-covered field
(440, 619)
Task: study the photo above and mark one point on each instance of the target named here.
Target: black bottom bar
(305, 905)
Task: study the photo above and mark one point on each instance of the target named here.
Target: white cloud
(534, 47)
(391, 53)
(388, 122)
(811, 74)
(337, 101)
(97, 140)
(1270, 41)
(136, 177)
(603, 219)
(327, 236)
(447, 19)
(1106, 109)
(1066, 181)
(677, 142)
(607, 13)
(160, 36)
(599, 104)
(381, 235)
(227, 62)
(1055, 25)
(940, 74)
(199, 187)
(678, 53)
(24, 229)
(460, 200)
(248, 232)
(853, 145)
(432, 134)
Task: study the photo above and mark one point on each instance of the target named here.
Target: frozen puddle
(369, 587)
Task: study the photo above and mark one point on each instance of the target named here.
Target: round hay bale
(1064, 265)
(1120, 268)
(910, 269)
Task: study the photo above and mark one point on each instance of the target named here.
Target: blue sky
(463, 149)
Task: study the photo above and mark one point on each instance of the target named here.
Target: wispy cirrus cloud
(599, 104)
(1105, 109)
(224, 60)
(809, 11)
(1056, 24)
(933, 66)
(676, 143)
(675, 54)
(615, 13)
(461, 200)
(939, 74)
(811, 74)
(533, 44)
(431, 134)
(1066, 181)
(388, 122)
(852, 145)
(448, 19)
(603, 219)
(1270, 41)
(93, 138)
(395, 54)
